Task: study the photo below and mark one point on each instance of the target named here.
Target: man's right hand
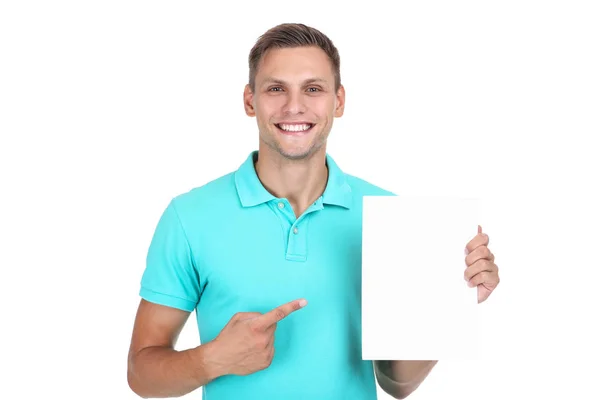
(246, 344)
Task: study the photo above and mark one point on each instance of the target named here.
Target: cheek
(324, 108)
(267, 111)
(263, 115)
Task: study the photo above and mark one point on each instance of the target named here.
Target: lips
(298, 128)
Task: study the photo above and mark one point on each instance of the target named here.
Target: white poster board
(416, 304)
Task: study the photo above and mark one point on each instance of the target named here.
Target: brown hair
(289, 36)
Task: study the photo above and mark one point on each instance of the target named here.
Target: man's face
(294, 101)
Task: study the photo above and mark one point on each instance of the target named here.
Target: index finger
(479, 240)
(277, 314)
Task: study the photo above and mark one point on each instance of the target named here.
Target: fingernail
(302, 303)
(466, 251)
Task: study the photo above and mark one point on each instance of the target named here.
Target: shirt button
(295, 231)
(281, 205)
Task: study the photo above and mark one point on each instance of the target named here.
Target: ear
(249, 101)
(340, 100)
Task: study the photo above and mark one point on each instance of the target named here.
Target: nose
(294, 103)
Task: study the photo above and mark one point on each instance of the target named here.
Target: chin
(292, 148)
(296, 156)
(298, 153)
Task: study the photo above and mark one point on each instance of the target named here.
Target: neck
(301, 182)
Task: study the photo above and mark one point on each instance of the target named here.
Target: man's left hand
(481, 270)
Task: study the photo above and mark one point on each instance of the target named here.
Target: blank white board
(416, 304)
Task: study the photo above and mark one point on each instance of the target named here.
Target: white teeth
(294, 128)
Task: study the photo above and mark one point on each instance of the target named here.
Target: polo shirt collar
(251, 191)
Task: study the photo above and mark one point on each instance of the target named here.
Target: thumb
(249, 315)
(479, 229)
(241, 316)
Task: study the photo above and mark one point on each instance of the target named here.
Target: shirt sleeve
(170, 277)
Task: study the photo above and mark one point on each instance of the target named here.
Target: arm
(155, 368)
(400, 378)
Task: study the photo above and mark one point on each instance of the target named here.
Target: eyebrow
(306, 82)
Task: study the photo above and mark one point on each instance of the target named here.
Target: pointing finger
(277, 314)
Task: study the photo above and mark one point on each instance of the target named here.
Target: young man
(269, 256)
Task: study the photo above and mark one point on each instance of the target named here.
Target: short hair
(289, 36)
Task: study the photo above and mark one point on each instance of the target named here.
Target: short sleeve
(170, 277)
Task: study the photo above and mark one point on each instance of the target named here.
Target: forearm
(399, 378)
(164, 372)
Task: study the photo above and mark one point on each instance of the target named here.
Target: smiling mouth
(295, 129)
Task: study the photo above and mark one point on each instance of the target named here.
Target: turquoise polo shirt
(230, 246)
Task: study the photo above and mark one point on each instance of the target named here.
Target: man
(269, 256)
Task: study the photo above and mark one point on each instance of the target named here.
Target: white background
(108, 109)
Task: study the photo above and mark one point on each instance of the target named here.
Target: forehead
(301, 62)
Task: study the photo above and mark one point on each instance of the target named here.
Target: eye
(313, 89)
(275, 89)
